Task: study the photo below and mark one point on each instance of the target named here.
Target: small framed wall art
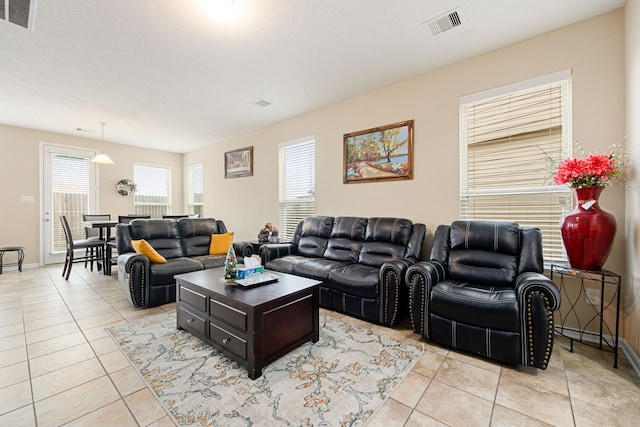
(238, 163)
(379, 154)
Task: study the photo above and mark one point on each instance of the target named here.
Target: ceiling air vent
(261, 103)
(445, 22)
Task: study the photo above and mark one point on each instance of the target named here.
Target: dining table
(104, 227)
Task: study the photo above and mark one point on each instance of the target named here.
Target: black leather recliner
(483, 291)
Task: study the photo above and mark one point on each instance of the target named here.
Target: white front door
(68, 188)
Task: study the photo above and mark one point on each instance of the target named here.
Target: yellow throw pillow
(144, 248)
(220, 243)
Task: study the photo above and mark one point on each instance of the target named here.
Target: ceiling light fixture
(221, 11)
(102, 158)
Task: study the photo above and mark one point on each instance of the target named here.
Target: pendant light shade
(221, 11)
(102, 158)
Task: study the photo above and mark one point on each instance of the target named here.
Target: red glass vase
(588, 231)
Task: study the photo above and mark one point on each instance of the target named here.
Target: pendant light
(221, 11)
(102, 158)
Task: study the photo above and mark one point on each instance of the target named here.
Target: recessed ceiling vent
(445, 22)
(261, 103)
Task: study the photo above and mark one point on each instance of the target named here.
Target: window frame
(138, 207)
(300, 207)
(192, 204)
(557, 198)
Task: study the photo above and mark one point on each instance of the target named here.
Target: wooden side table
(601, 281)
(18, 249)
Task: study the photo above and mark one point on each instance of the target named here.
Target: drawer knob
(225, 340)
(190, 321)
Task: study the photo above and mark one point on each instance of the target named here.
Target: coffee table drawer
(191, 322)
(228, 314)
(193, 298)
(227, 340)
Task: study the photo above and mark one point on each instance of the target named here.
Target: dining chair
(126, 219)
(93, 249)
(174, 216)
(92, 233)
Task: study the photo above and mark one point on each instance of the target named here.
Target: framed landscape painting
(379, 154)
(238, 163)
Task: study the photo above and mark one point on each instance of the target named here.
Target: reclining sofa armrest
(538, 297)
(242, 249)
(394, 305)
(271, 251)
(133, 277)
(419, 278)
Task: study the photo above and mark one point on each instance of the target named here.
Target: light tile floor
(58, 367)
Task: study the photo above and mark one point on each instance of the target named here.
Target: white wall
(19, 175)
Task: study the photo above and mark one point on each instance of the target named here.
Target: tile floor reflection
(59, 367)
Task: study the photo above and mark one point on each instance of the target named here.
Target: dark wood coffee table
(252, 326)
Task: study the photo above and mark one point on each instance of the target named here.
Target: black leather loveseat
(184, 243)
(483, 291)
(360, 261)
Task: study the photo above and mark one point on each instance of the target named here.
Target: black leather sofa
(360, 261)
(184, 243)
(483, 292)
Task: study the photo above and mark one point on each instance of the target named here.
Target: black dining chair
(126, 219)
(174, 216)
(93, 249)
(92, 233)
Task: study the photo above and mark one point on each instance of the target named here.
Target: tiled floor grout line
(86, 338)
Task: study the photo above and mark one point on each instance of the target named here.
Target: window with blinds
(195, 176)
(153, 195)
(510, 139)
(297, 184)
(69, 196)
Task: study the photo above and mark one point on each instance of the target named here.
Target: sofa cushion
(162, 274)
(356, 279)
(478, 255)
(316, 268)
(346, 240)
(385, 239)
(211, 261)
(314, 236)
(196, 234)
(286, 264)
(159, 233)
(479, 305)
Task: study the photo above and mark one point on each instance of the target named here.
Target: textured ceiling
(161, 74)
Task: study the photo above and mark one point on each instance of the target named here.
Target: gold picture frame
(379, 154)
(238, 163)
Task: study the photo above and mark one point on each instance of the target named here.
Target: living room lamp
(221, 11)
(102, 158)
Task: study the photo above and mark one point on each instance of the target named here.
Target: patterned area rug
(340, 380)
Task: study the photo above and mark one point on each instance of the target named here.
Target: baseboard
(631, 355)
(14, 267)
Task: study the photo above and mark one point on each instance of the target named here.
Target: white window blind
(508, 143)
(196, 189)
(152, 194)
(297, 184)
(69, 195)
